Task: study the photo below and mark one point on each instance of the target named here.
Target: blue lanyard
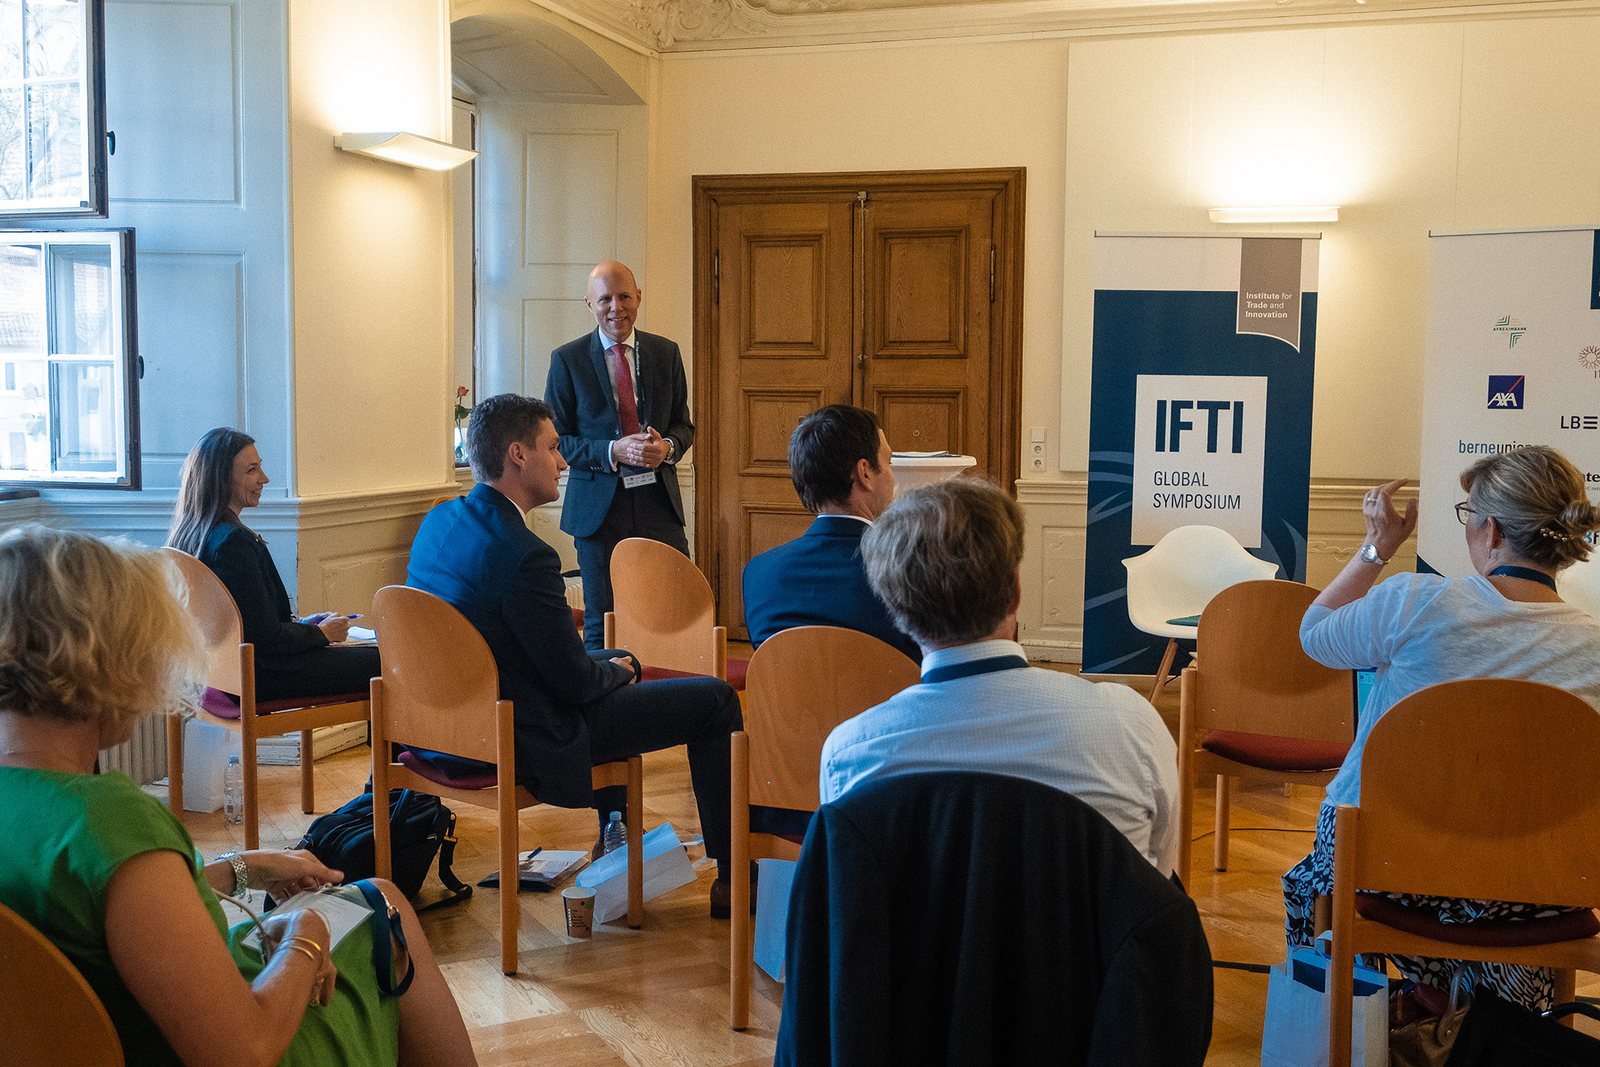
(977, 666)
(1525, 573)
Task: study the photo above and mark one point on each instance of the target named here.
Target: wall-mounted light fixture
(407, 149)
(1274, 214)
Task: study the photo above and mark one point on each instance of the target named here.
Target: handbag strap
(382, 948)
(459, 890)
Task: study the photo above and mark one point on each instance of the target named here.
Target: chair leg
(1166, 667)
(635, 842)
(1224, 803)
(308, 789)
(510, 912)
(252, 802)
(1566, 991)
(739, 957)
(175, 765)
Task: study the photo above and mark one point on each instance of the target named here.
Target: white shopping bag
(206, 748)
(666, 867)
(1296, 1029)
(772, 914)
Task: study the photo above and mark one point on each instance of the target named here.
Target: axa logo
(1505, 392)
(1510, 328)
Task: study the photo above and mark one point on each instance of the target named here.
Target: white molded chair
(1177, 579)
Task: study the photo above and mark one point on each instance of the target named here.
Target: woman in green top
(92, 638)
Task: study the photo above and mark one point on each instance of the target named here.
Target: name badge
(634, 481)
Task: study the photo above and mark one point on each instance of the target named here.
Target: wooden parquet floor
(658, 996)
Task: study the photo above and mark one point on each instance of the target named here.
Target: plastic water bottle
(233, 791)
(616, 833)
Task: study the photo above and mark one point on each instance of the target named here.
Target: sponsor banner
(1199, 412)
(1512, 359)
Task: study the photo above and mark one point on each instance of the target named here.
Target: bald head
(613, 299)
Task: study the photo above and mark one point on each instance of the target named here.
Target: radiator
(143, 757)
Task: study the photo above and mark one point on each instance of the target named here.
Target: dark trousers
(318, 672)
(642, 512)
(699, 713)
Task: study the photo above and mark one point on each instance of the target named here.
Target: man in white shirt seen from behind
(946, 560)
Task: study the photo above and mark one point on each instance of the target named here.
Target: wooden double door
(896, 292)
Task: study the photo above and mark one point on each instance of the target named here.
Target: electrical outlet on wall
(1036, 449)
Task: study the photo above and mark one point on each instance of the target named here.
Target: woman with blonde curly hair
(92, 637)
(1527, 516)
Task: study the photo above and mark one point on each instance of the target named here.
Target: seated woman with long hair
(91, 638)
(222, 477)
(1526, 517)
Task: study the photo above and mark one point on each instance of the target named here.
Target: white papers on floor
(340, 913)
(666, 867)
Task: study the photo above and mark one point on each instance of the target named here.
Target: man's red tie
(627, 407)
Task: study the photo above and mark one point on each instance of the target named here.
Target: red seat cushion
(737, 670)
(577, 618)
(1276, 753)
(412, 762)
(1484, 933)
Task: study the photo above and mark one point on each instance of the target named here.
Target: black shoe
(722, 899)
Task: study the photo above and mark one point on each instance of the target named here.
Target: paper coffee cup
(579, 901)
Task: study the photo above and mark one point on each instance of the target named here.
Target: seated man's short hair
(824, 450)
(944, 560)
(495, 424)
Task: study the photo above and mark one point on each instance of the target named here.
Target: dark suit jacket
(579, 390)
(478, 553)
(240, 558)
(818, 580)
(979, 920)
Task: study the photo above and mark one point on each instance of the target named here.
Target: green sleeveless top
(68, 835)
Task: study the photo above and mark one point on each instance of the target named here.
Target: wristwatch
(1369, 554)
(241, 874)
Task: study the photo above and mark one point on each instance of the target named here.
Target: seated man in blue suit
(572, 709)
(839, 462)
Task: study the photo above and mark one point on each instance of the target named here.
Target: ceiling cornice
(666, 27)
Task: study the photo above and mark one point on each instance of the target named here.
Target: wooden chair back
(665, 614)
(802, 683)
(1255, 677)
(1487, 788)
(48, 1012)
(440, 683)
(213, 608)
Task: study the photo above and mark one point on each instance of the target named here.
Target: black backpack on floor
(420, 827)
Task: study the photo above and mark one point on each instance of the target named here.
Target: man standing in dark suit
(572, 709)
(621, 407)
(839, 462)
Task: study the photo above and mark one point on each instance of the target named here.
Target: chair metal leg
(1166, 668)
(1224, 804)
(308, 789)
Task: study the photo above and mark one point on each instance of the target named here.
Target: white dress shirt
(1101, 742)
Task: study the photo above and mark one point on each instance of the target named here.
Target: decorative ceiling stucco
(665, 26)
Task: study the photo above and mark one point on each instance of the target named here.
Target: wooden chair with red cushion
(1255, 706)
(803, 682)
(1487, 789)
(440, 690)
(231, 669)
(663, 612)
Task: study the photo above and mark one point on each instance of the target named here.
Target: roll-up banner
(1512, 359)
(1199, 412)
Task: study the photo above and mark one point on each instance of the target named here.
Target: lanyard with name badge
(977, 666)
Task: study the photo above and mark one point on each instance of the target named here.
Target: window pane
(22, 299)
(10, 40)
(13, 146)
(55, 140)
(80, 300)
(24, 413)
(86, 417)
(54, 34)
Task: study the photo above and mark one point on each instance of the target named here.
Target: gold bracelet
(301, 948)
(316, 949)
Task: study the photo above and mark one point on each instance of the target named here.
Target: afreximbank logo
(1510, 328)
(1505, 392)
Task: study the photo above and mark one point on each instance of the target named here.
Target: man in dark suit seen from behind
(573, 709)
(621, 405)
(839, 462)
